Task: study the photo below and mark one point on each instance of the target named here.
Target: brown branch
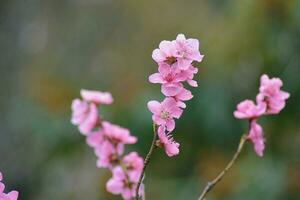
(146, 161)
(212, 183)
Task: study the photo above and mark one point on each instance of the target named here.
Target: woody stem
(146, 161)
(210, 185)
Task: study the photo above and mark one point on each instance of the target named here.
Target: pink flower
(134, 165)
(167, 74)
(179, 53)
(165, 53)
(170, 75)
(85, 115)
(116, 134)
(189, 75)
(169, 144)
(119, 184)
(13, 195)
(271, 95)
(248, 110)
(171, 89)
(107, 154)
(112, 133)
(109, 143)
(183, 95)
(256, 136)
(187, 51)
(96, 97)
(95, 139)
(164, 112)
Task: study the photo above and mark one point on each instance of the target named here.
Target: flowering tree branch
(175, 68)
(146, 161)
(210, 185)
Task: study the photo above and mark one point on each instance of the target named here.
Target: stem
(210, 185)
(146, 161)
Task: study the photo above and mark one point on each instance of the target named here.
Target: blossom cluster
(270, 100)
(13, 195)
(175, 66)
(108, 141)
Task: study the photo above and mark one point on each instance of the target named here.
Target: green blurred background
(52, 49)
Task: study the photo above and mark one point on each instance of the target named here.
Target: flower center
(267, 101)
(170, 60)
(169, 77)
(113, 158)
(164, 114)
(127, 184)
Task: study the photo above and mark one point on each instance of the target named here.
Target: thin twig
(146, 161)
(212, 183)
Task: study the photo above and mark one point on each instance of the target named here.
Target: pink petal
(96, 96)
(168, 102)
(176, 112)
(167, 47)
(256, 136)
(157, 56)
(2, 187)
(79, 110)
(194, 43)
(192, 83)
(181, 37)
(170, 125)
(156, 78)
(154, 107)
(164, 69)
(184, 95)
(172, 149)
(170, 89)
(114, 186)
(181, 104)
(91, 120)
(13, 195)
(128, 194)
(158, 120)
(94, 139)
(183, 63)
(284, 95)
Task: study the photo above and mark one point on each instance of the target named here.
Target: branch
(146, 161)
(210, 185)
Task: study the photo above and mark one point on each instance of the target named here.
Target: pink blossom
(187, 51)
(183, 95)
(248, 110)
(166, 140)
(85, 115)
(179, 53)
(112, 133)
(271, 95)
(171, 89)
(13, 195)
(170, 75)
(189, 75)
(96, 97)
(165, 53)
(95, 139)
(119, 184)
(165, 112)
(109, 143)
(167, 74)
(107, 154)
(256, 136)
(134, 165)
(117, 135)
